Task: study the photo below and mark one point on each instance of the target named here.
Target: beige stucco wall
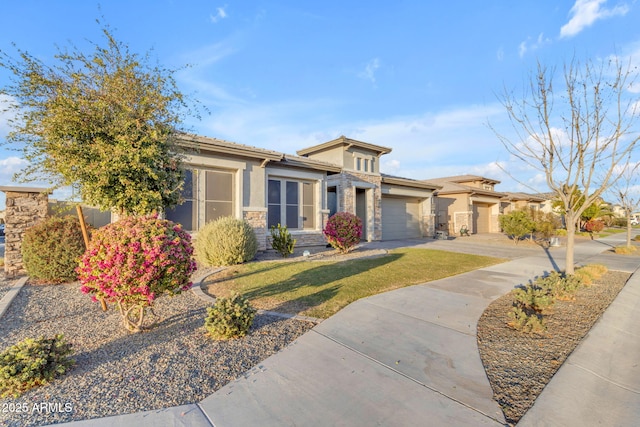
(334, 155)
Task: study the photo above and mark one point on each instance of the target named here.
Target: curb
(5, 302)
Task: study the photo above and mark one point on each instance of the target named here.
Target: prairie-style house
(301, 191)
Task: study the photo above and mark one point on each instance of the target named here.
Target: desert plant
(516, 225)
(229, 318)
(226, 241)
(533, 297)
(51, 249)
(590, 272)
(282, 241)
(526, 322)
(33, 362)
(560, 286)
(135, 260)
(343, 231)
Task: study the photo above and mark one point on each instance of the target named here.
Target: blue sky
(419, 77)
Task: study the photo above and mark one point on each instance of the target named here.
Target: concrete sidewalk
(410, 357)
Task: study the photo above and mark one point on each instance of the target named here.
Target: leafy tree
(516, 225)
(104, 122)
(579, 131)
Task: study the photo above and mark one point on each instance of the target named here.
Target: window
(358, 163)
(366, 165)
(373, 169)
(293, 207)
(185, 213)
(208, 195)
(218, 200)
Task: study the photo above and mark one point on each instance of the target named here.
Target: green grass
(320, 289)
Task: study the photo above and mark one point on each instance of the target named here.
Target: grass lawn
(320, 289)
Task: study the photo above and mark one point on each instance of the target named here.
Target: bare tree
(627, 193)
(577, 129)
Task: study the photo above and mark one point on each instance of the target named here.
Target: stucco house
(514, 201)
(267, 187)
(468, 201)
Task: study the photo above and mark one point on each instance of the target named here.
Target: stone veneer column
(25, 208)
(257, 218)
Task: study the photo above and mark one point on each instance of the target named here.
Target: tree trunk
(571, 238)
(628, 228)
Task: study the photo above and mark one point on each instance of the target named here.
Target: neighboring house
(519, 201)
(467, 201)
(267, 187)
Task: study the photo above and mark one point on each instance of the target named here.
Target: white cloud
(369, 72)
(500, 54)
(528, 45)
(585, 12)
(219, 15)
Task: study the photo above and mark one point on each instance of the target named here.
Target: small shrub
(591, 272)
(637, 238)
(226, 241)
(282, 241)
(343, 231)
(51, 249)
(229, 318)
(135, 260)
(625, 250)
(533, 298)
(561, 232)
(594, 226)
(516, 225)
(560, 286)
(33, 362)
(526, 322)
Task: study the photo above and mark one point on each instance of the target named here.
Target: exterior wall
(334, 155)
(24, 210)
(352, 153)
(457, 210)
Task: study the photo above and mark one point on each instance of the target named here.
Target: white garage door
(400, 218)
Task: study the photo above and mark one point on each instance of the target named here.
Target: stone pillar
(25, 208)
(257, 218)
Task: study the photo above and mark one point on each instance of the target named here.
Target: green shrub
(282, 241)
(226, 241)
(135, 260)
(561, 232)
(51, 249)
(560, 286)
(31, 363)
(526, 322)
(229, 318)
(516, 225)
(533, 298)
(343, 231)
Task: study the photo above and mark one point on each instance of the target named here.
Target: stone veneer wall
(24, 210)
(257, 218)
(347, 196)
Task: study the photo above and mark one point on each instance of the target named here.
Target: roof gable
(343, 141)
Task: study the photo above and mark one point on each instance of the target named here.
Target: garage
(400, 218)
(481, 218)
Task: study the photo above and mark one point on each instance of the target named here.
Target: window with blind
(291, 203)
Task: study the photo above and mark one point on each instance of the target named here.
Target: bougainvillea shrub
(135, 260)
(343, 231)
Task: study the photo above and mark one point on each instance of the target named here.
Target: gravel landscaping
(519, 365)
(172, 363)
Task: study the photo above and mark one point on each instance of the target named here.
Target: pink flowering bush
(343, 231)
(135, 260)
